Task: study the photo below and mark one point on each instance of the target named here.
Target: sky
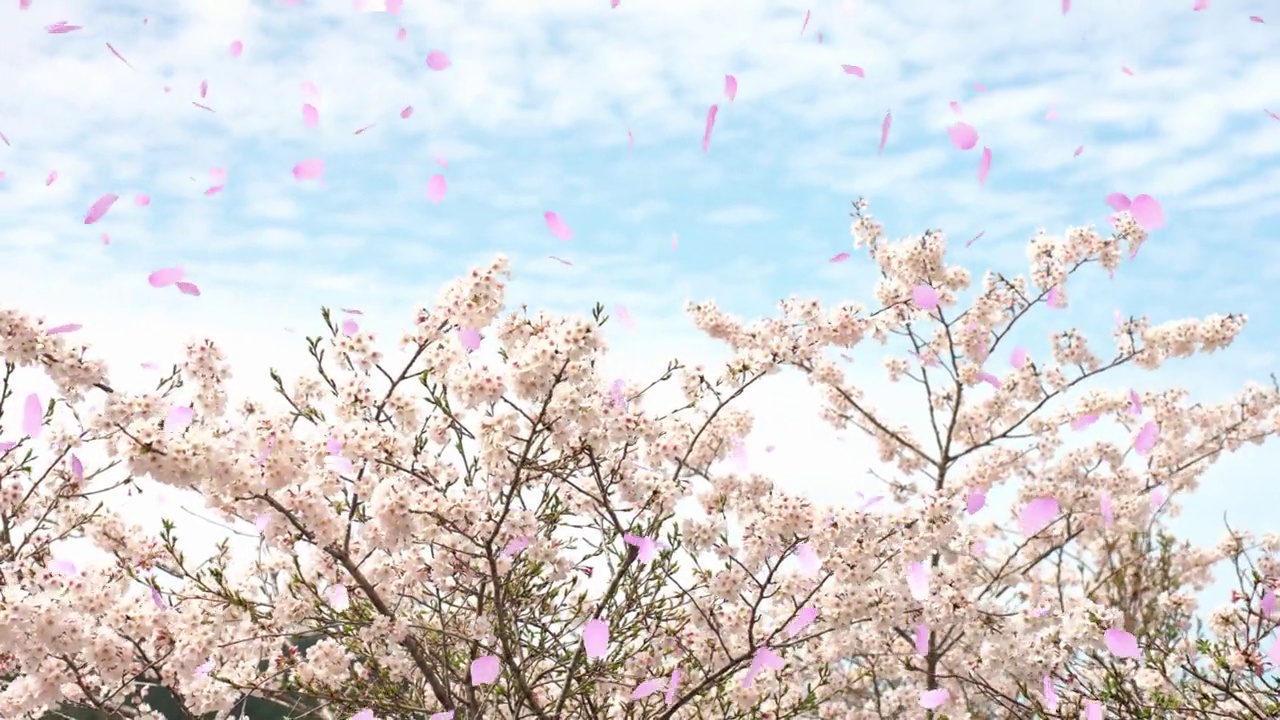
(597, 113)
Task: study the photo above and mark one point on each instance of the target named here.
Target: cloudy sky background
(534, 115)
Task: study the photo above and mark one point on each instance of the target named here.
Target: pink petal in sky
(1121, 643)
(984, 166)
(711, 124)
(204, 88)
(1036, 515)
(484, 670)
(100, 208)
(402, 34)
(1256, 19)
(187, 288)
(470, 338)
(67, 328)
(925, 297)
(165, 277)
(438, 60)
(1126, 70)
(884, 130)
(406, 112)
(1019, 358)
(918, 581)
(807, 15)
(1145, 442)
(853, 70)
(1079, 150)
(557, 226)
(236, 48)
(141, 200)
(1200, 5)
(840, 257)
(933, 699)
(53, 175)
(1066, 6)
(730, 87)
(648, 687)
(310, 116)
(309, 170)
(963, 136)
(624, 317)
(61, 28)
(645, 547)
(804, 617)
(32, 416)
(119, 56)
(1146, 211)
(178, 419)
(1118, 201)
(437, 186)
(595, 638)
(955, 108)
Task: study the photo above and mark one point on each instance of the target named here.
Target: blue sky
(533, 116)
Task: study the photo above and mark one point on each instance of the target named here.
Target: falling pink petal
(764, 659)
(100, 208)
(1120, 643)
(1268, 603)
(363, 129)
(236, 48)
(1118, 201)
(1126, 70)
(1145, 442)
(219, 175)
(1093, 710)
(204, 88)
(350, 327)
(730, 87)
(53, 175)
(165, 277)
(437, 60)
(557, 226)
(595, 638)
(990, 379)
(980, 88)
(645, 547)
(5, 138)
(1146, 211)
(819, 37)
(1135, 403)
(337, 597)
(624, 317)
(924, 297)
(922, 640)
(648, 687)
(402, 34)
(975, 238)
(204, 669)
(955, 108)
(975, 501)
(1200, 5)
(804, 617)
(484, 670)
(1019, 358)
(1079, 150)
(517, 546)
(562, 261)
(310, 116)
(470, 338)
(808, 558)
(178, 419)
(32, 416)
(406, 112)
(309, 170)
(918, 581)
(1066, 6)
(1255, 18)
(807, 14)
(119, 56)
(203, 106)
(1051, 115)
(157, 599)
(932, 699)
(1050, 695)
(1084, 421)
(24, 4)
(841, 257)
(60, 329)
(631, 142)
(853, 70)
(614, 3)
(393, 6)
(711, 123)
(963, 136)
(437, 186)
(1036, 515)
(884, 131)
(141, 200)
(984, 166)
(63, 567)
(1054, 298)
(365, 714)
(62, 28)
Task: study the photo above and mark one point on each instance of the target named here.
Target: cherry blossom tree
(480, 524)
